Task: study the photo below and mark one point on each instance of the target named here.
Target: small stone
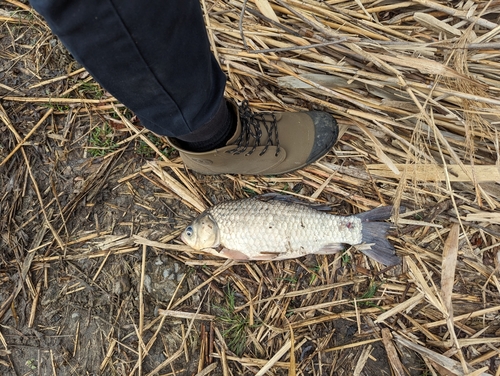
(147, 283)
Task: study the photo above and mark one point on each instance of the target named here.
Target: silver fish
(278, 227)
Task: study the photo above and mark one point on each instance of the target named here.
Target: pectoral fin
(238, 255)
(234, 255)
(266, 256)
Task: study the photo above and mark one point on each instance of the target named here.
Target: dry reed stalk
(59, 100)
(443, 361)
(186, 315)
(207, 370)
(414, 86)
(430, 172)
(23, 141)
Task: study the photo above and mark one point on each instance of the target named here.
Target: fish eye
(189, 231)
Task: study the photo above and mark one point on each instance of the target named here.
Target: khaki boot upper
(268, 144)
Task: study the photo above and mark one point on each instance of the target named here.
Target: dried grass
(419, 109)
(414, 86)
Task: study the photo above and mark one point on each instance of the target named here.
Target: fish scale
(276, 227)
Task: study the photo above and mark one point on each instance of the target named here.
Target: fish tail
(374, 232)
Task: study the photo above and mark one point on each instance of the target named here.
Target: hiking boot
(267, 144)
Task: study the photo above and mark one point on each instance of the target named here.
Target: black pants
(153, 56)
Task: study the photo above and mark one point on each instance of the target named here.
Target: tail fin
(374, 233)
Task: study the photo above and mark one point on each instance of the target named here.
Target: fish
(277, 227)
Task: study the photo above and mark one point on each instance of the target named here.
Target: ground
(93, 277)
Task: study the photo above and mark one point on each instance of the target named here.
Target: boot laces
(252, 126)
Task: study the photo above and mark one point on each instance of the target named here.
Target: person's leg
(152, 56)
(155, 58)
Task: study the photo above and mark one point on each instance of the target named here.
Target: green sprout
(168, 151)
(101, 141)
(31, 364)
(56, 107)
(314, 274)
(249, 191)
(292, 280)
(346, 258)
(370, 293)
(234, 323)
(91, 90)
(143, 149)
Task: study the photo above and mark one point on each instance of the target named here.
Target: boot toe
(326, 133)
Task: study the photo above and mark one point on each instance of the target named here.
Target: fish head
(202, 233)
